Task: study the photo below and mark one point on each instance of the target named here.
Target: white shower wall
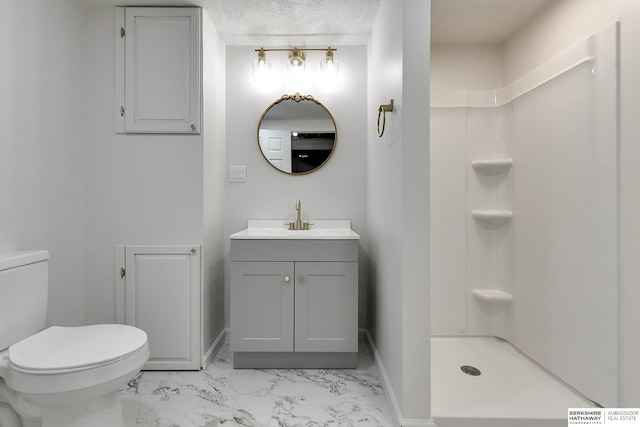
(567, 228)
(468, 254)
(558, 255)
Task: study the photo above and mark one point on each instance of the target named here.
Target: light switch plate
(237, 174)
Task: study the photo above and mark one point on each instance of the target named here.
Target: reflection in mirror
(297, 134)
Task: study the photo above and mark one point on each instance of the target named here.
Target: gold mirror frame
(297, 98)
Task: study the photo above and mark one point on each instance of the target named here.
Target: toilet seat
(61, 360)
(58, 350)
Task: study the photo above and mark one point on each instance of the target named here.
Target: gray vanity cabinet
(294, 303)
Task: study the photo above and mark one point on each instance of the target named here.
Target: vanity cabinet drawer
(298, 250)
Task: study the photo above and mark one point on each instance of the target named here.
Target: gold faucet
(298, 215)
(298, 225)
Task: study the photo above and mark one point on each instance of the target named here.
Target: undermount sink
(279, 230)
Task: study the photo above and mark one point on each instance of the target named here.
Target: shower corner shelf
(492, 217)
(492, 166)
(493, 295)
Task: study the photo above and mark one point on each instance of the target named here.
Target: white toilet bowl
(70, 377)
(59, 376)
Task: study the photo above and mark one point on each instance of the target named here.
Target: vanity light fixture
(329, 67)
(296, 57)
(261, 67)
(296, 63)
(295, 66)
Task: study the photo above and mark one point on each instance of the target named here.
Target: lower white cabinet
(294, 313)
(158, 291)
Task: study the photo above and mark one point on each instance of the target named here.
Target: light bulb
(329, 67)
(295, 66)
(261, 68)
(296, 57)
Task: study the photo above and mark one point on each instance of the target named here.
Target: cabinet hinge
(123, 272)
(122, 111)
(122, 32)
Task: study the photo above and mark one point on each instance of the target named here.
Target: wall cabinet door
(262, 306)
(326, 307)
(162, 297)
(158, 84)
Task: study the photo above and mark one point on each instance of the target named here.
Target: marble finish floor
(222, 396)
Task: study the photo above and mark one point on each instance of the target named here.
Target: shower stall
(524, 205)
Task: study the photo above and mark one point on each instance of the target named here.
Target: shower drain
(470, 370)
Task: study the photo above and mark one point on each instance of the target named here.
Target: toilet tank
(24, 280)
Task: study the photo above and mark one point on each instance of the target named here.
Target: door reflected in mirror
(297, 134)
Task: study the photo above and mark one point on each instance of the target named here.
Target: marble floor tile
(293, 411)
(222, 396)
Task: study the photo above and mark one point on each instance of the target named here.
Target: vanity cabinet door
(158, 70)
(262, 296)
(326, 307)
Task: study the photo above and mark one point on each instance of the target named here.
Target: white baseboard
(211, 353)
(417, 423)
(396, 413)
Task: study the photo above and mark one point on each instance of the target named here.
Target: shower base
(510, 390)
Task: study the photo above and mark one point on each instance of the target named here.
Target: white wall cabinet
(298, 313)
(158, 76)
(159, 292)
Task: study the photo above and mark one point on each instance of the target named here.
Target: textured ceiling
(480, 21)
(280, 22)
(271, 23)
(294, 22)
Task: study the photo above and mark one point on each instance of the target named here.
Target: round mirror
(297, 134)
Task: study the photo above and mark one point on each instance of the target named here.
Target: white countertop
(279, 230)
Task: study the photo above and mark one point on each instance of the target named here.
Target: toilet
(58, 376)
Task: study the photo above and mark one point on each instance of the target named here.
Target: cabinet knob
(301, 279)
(287, 279)
(193, 127)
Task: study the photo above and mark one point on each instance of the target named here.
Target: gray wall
(71, 185)
(214, 183)
(139, 189)
(338, 190)
(398, 203)
(42, 143)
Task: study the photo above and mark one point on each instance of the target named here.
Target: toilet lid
(63, 349)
